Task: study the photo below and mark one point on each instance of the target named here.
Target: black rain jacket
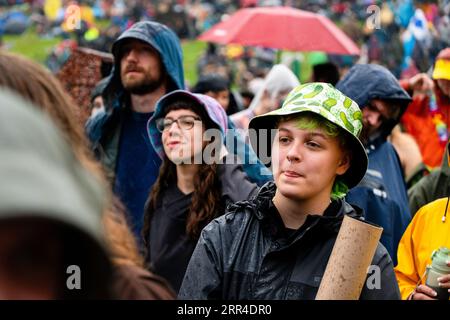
(248, 254)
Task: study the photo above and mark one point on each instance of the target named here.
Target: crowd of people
(168, 191)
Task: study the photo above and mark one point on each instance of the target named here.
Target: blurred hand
(421, 83)
(444, 281)
(265, 105)
(423, 292)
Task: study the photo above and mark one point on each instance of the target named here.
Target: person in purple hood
(197, 179)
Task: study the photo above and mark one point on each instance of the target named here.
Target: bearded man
(148, 64)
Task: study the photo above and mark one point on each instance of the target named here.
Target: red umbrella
(281, 28)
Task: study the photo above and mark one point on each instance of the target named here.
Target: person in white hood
(277, 84)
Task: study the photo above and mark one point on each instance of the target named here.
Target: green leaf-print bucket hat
(328, 102)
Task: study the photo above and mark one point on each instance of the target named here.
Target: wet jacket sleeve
(235, 184)
(419, 194)
(93, 126)
(405, 271)
(381, 283)
(255, 170)
(203, 278)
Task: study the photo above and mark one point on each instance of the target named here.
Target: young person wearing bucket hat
(277, 244)
(195, 183)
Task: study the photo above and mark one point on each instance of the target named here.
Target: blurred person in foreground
(40, 87)
(50, 212)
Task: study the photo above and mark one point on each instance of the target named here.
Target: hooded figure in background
(148, 64)
(51, 235)
(278, 83)
(382, 193)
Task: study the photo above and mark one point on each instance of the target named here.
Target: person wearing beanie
(277, 244)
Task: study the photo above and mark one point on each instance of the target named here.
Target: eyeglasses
(183, 122)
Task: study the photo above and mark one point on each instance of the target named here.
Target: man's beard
(370, 134)
(146, 85)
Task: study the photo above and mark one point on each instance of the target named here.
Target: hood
(99, 88)
(39, 172)
(160, 37)
(41, 177)
(213, 109)
(278, 79)
(365, 82)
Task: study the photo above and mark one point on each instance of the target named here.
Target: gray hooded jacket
(42, 179)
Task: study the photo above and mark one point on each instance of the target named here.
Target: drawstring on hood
(444, 217)
(446, 163)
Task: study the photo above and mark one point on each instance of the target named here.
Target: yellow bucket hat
(442, 65)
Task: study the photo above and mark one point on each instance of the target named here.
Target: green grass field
(37, 48)
(31, 45)
(192, 50)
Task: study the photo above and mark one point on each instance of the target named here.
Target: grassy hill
(37, 48)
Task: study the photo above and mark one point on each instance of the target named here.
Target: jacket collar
(265, 210)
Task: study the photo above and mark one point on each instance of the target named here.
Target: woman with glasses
(196, 181)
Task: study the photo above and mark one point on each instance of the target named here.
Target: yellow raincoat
(426, 233)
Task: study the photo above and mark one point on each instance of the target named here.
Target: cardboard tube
(352, 254)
